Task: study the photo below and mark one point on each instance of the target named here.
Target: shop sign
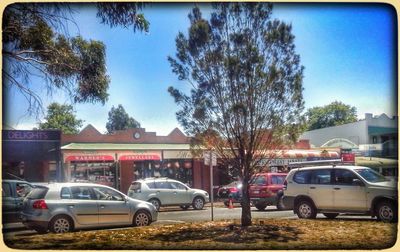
(139, 157)
(90, 158)
(177, 154)
(280, 162)
(31, 135)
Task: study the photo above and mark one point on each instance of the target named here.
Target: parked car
(231, 191)
(266, 189)
(63, 207)
(13, 193)
(168, 192)
(332, 190)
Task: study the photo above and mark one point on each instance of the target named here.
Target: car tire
(306, 210)
(141, 218)
(184, 207)
(156, 203)
(330, 215)
(260, 207)
(198, 203)
(61, 224)
(386, 211)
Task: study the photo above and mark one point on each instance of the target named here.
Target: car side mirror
(358, 182)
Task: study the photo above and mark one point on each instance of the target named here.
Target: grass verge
(264, 234)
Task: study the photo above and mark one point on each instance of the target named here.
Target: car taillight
(285, 184)
(233, 190)
(39, 204)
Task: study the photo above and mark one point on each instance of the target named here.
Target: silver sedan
(63, 207)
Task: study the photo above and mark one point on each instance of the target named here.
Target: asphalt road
(177, 215)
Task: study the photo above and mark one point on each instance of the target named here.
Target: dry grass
(264, 234)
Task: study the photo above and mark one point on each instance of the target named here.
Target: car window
(103, 193)
(302, 177)
(66, 193)
(177, 186)
(151, 185)
(260, 180)
(345, 177)
(277, 180)
(370, 175)
(135, 186)
(38, 193)
(321, 176)
(163, 185)
(6, 189)
(23, 189)
(81, 193)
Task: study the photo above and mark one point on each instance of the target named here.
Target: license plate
(256, 192)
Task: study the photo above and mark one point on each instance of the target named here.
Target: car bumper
(288, 201)
(34, 223)
(264, 201)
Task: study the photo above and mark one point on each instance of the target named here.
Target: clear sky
(348, 51)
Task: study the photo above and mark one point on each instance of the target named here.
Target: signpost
(210, 158)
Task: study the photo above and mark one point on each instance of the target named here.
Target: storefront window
(175, 169)
(100, 173)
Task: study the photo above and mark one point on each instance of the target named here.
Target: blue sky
(348, 52)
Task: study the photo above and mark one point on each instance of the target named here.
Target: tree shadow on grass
(232, 234)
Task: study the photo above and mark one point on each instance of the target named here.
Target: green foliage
(334, 114)
(246, 84)
(36, 43)
(118, 119)
(61, 117)
(123, 14)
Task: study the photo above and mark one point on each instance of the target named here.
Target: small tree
(333, 114)
(61, 117)
(118, 119)
(246, 86)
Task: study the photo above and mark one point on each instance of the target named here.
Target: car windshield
(371, 175)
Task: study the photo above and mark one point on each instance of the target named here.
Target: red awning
(139, 157)
(90, 158)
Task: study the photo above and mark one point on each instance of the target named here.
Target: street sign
(206, 156)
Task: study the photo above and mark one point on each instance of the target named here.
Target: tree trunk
(246, 211)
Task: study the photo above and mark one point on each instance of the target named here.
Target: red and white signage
(139, 157)
(90, 158)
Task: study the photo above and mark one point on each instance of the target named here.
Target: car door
(321, 189)
(164, 192)
(180, 194)
(349, 191)
(113, 208)
(81, 203)
(22, 189)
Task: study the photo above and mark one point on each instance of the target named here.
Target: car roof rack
(332, 162)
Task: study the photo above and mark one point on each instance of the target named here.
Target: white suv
(167, 192)
(332, 190)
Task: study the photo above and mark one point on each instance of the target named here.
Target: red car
(230, 191)
(266, 189)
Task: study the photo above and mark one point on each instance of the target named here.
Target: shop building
(32, 155)
(118, 159)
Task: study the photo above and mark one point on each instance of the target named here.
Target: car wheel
(386, 212)
(330, 215)
(198, 203)
(61, 224)
(184, 207)
(260, 207)
(141, 218)
(306, 210)
(156, 203)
